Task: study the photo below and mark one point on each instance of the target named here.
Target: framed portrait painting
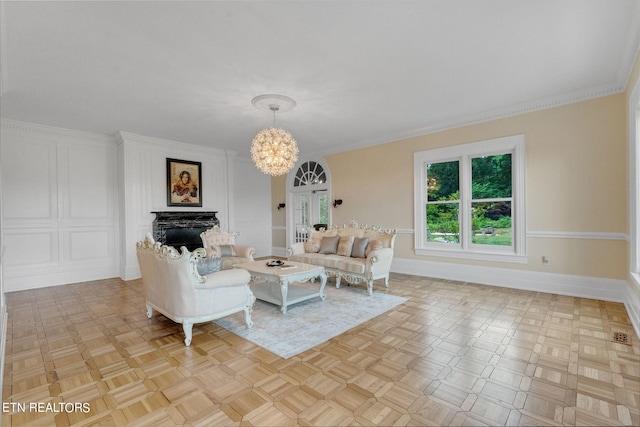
(184, 186)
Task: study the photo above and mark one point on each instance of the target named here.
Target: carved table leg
(248, 311)
(323, 282)
(284, 287)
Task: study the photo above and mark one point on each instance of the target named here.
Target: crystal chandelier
(273, 150)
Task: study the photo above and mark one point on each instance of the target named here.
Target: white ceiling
(361, 72)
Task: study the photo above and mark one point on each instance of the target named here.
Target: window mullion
(465, 202)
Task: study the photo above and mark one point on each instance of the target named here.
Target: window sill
(478, 256)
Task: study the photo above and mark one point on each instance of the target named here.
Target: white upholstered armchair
(174, 287)
(219, 243)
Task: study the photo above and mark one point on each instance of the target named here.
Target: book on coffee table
(287, 266)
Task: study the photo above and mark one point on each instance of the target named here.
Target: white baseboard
(131, 272)
(632, 304)
(35, 280)
(562, 284)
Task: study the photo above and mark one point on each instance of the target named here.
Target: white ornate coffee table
(277, 286)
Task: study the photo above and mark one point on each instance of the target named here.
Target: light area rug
(312, 322)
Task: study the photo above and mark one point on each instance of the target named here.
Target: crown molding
(69, 134)
(488, 116)
(123, 137)
(632, 49)
(524, 108)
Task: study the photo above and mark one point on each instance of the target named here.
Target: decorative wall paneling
(252, 210)
(236, 191)
(60, 222)
(143, 187)
(76, 203)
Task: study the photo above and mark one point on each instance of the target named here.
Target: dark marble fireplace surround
(182, 228)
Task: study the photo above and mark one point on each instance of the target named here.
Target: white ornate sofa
(174, 287)
(362, 253)
(218, 243)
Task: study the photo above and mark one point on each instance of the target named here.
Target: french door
(308, 200)
(309, 208)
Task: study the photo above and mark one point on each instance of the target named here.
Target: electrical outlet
(546, 260)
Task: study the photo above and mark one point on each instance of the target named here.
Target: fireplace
(182, 228)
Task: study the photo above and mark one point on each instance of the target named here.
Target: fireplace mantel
(178, 229)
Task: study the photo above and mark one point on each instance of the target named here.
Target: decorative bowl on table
(275, 263)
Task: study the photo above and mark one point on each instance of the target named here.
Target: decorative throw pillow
(329, 245)
(312, 246)
(208, 265)
(227, 250)
(359, 249)
(374, 245)
(213, 251)
(344, 245)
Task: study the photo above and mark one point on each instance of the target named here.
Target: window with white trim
(469, 200)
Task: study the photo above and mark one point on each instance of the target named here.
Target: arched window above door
(309, 173)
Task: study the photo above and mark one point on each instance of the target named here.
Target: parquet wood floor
(454, 354)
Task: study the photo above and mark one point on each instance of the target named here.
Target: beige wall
(279, 217)
(576, 181)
